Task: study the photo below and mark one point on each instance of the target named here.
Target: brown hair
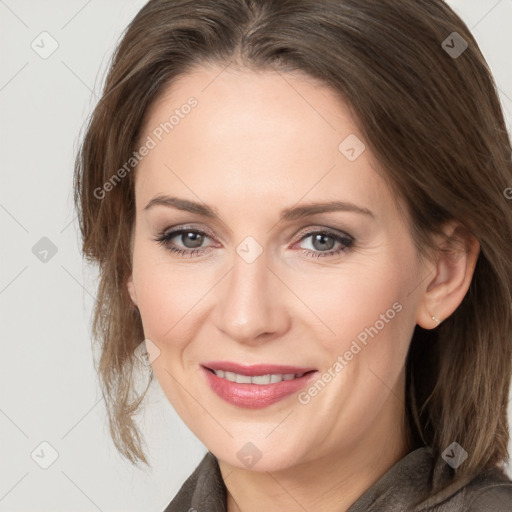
(432, 120)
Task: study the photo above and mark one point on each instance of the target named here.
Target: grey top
(400, 489)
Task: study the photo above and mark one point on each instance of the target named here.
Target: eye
(322, 242)
(192, 240)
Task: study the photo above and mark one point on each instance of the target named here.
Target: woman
(299, 210)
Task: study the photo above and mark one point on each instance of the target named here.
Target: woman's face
(264, 281)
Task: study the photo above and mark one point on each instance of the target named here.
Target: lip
(255, 369)
(256, 396)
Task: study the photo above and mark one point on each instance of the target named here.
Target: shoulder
(491, 490)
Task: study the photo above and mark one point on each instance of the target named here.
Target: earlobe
(454, 269)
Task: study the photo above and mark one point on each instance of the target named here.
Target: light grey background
(48, 387)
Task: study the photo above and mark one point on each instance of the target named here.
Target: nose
(251, 303)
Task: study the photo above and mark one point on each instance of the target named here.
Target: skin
(255, 144)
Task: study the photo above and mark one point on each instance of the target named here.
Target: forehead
(262, 136)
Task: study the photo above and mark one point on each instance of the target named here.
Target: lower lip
(255, 396)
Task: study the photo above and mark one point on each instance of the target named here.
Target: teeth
(256, 379)
(243, 379)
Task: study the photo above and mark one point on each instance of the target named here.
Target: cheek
(169, 295)
(357, 302)
(367, 317)
(372, 318)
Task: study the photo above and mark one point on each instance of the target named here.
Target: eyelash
(164, 238)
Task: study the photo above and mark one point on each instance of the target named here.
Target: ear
(452, 273)
(131, 289)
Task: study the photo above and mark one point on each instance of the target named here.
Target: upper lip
(255, 369)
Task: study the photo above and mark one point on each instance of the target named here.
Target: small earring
(436, 320)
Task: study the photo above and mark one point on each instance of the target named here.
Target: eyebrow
(288, 214)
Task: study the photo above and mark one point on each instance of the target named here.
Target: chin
(257, 455)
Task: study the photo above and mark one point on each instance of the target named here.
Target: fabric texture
(402, 488)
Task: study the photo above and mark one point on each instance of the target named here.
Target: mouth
(260, 380)
(255, 386)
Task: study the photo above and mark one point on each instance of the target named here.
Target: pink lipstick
(255, 386)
